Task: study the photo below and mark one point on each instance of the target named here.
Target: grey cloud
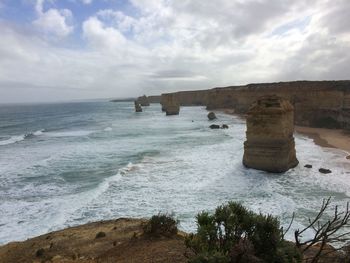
(337, 16)
(172, 74)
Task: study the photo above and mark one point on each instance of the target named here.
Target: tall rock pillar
(170, 104)
(270, 143)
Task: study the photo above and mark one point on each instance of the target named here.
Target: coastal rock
(348, 157)
(323, 104)
(138, 107)
(171, 105)
(270, 143)
(324, 171)
(308, 166)
(214, 126)
(211, 116)
(224, 126)
(143, 100)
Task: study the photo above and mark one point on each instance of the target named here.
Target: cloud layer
(156, 46)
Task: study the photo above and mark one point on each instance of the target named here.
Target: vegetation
(235, 234)
(100, 235)
(161, 225)
(325, 231)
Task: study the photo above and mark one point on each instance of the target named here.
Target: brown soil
(123, 242)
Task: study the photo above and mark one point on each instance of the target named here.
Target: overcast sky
(53, 50)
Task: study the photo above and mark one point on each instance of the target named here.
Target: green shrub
(161, 225)
(235, 234)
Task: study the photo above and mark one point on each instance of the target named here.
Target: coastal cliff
(324, 104)
(270, 143)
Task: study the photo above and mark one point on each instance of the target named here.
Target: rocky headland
(321, 104)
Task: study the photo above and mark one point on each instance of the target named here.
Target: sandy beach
(334, 138)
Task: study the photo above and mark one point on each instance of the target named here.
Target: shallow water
(68, 164)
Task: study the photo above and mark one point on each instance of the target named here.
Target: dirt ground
(122, 242)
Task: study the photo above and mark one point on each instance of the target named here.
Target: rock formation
(211, 116)
(324, 104)
(143, 101)
(214, 126)
(270, 143)
(171, 105)
(324, 171)
(138, 107)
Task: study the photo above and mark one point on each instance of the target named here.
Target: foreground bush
(161, 225)
(235, 234)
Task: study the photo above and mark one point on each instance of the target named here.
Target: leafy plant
(235, 234)
(161, 225)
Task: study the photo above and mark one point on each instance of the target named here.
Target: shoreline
(328, 138)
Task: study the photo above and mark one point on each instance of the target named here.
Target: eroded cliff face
(270, 143)
(316, 103)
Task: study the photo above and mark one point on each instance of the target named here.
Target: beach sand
(333, 138)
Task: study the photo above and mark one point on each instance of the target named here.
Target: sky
(57, 50)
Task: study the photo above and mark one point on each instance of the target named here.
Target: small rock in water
(348, 157)
(214, 126)
(211, 116)
(224, 126)
(324, 171)
(308, 166)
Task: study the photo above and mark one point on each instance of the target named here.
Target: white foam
(108, 129)
(78, 133)
(13, 139)
(38, 132)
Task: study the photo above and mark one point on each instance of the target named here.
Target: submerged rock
(214, 126)
(224, 126)
(211, 116)
(348, 157)
(324, 171)
(270, 143)
(308, 166)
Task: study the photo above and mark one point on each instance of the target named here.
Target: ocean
(71, 163)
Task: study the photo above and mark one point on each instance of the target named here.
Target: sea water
(67, 164)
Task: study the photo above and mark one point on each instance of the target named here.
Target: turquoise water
(67, 164)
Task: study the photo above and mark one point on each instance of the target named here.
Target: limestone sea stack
(171, 105)
(270, 143)
(138, 107)
(143, 101)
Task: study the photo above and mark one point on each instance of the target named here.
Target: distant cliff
(317, 103)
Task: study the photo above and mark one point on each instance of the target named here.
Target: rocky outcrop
(170, 105)
(138, 107)
(211, 116)
(270, 143)
(214, 126)
(324, 171)
(143, 101)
